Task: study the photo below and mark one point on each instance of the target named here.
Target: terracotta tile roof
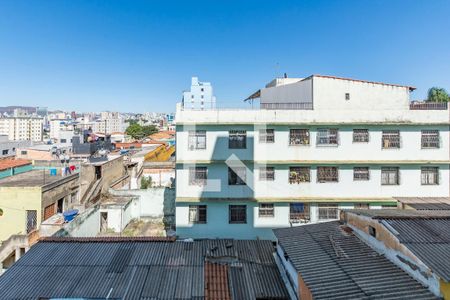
(216, 282)
(13, 163)
(411, 88)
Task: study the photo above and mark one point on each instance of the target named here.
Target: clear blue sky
(140, 55)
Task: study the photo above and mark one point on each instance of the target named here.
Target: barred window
(198, 175)
(197, 139)
(237, 139)
(267, 173)
(360, 135)
(299, 137)
(327, 136)
(266, 210)
(31, 220)
(197, 214)
(299, 174)
(390, 139)
(299, 213)
(267, 136)
(328, 212)
(390, 176)
(327, 174)
(360, 173)
(237, 214)
(237, 176)
(430, 139)
(430, 175)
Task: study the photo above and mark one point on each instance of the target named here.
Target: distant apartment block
(315, 146)
(109, 122)
(22, 128)
(200, 96)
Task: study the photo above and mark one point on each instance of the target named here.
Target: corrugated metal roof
(140, 269)
(335, 264)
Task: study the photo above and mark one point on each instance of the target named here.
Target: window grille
(390, 176)
(31, 220)
(430, 139)
(299, 137)
(299, 174)
(267, 136)
(430, 175)
(237, 176)
(361, 206)
(328, 212)
(327, 174)
(361, 173)
(198, 175)
(267, 173)
(197, 214)
(299, 213)
(266, 210)
(197, 139)
(390, 139)
(237, 139)
(238, 214)
(360, 135)
(327, 136)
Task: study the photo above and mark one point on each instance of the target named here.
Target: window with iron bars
(237, 139)
(390, 139)
(237, 214)
(197, 140)
(266, 210)
(299, 174)
(299, 213)
(361, 173)
(328, 211)
(327, 136)
(267, 136)
(327, 174)
(237, 176)
(360, 135)
(31, 220)
(299, 137)
(390, 176)
(197, 214)
(198, 175)
(430, 139)
(429, 175)
(267, 173)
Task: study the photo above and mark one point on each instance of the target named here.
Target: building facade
(200, 96)
(109, 122)
(22, 128)
(317, 145)
(8, 148)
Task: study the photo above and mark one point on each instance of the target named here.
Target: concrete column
(17, 253)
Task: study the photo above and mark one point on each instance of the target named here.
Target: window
(237, 139)
(299, 174)
(299, 137)
(266, 136)
(31, 220)
(299, 213)
(266, 210)
(197, 139)
(347, 96)
(328, 212)
(360, 135)
(267, 173)
(5, 152)
(390, 176)
(198, 175)
(237, 176)
(430, 139)
(361, 206)
(237, 214)
(372, 231)
(197, 214)
(327, 174)
(430, 175)
(327, 136)
(390, 139)
(63, 141)
(360, 173)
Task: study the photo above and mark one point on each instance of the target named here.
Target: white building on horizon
(315, 146)
(200, 96)
(28, 128)
(109, 122)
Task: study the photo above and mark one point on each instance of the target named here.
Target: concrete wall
(62, 190)
(301, 91)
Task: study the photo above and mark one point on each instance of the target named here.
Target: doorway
(103, 221)
(60, 206)
(98, 172)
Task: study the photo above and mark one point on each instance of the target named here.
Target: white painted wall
(300, 91)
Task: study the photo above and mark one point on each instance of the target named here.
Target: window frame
(427, 176)
(363, 137)
(330, 208)
(299, 137)
(390, 169)
(386, 135)
(201, 214)
(237, 139)
(427, 134)
(298, 178)
(194, 179)
(232, 207)
(320, 178)
(265, 137)
(266, 212)
(267, 171)
(299, 216)
(194, 140)
(239, 181)
(331, 134)
(362, 178)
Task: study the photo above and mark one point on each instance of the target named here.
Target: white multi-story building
(62, 131)
(22, 128)
(109, 122)
(315, 146)
(200, 96)
(9, 148)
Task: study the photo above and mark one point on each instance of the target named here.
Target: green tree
(148, 130)
(437, 94)
(146, 183)
(135, 131)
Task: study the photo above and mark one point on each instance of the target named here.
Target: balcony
(302, 217)
(428, 106)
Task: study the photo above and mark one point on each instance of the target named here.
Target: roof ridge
(106, 239)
